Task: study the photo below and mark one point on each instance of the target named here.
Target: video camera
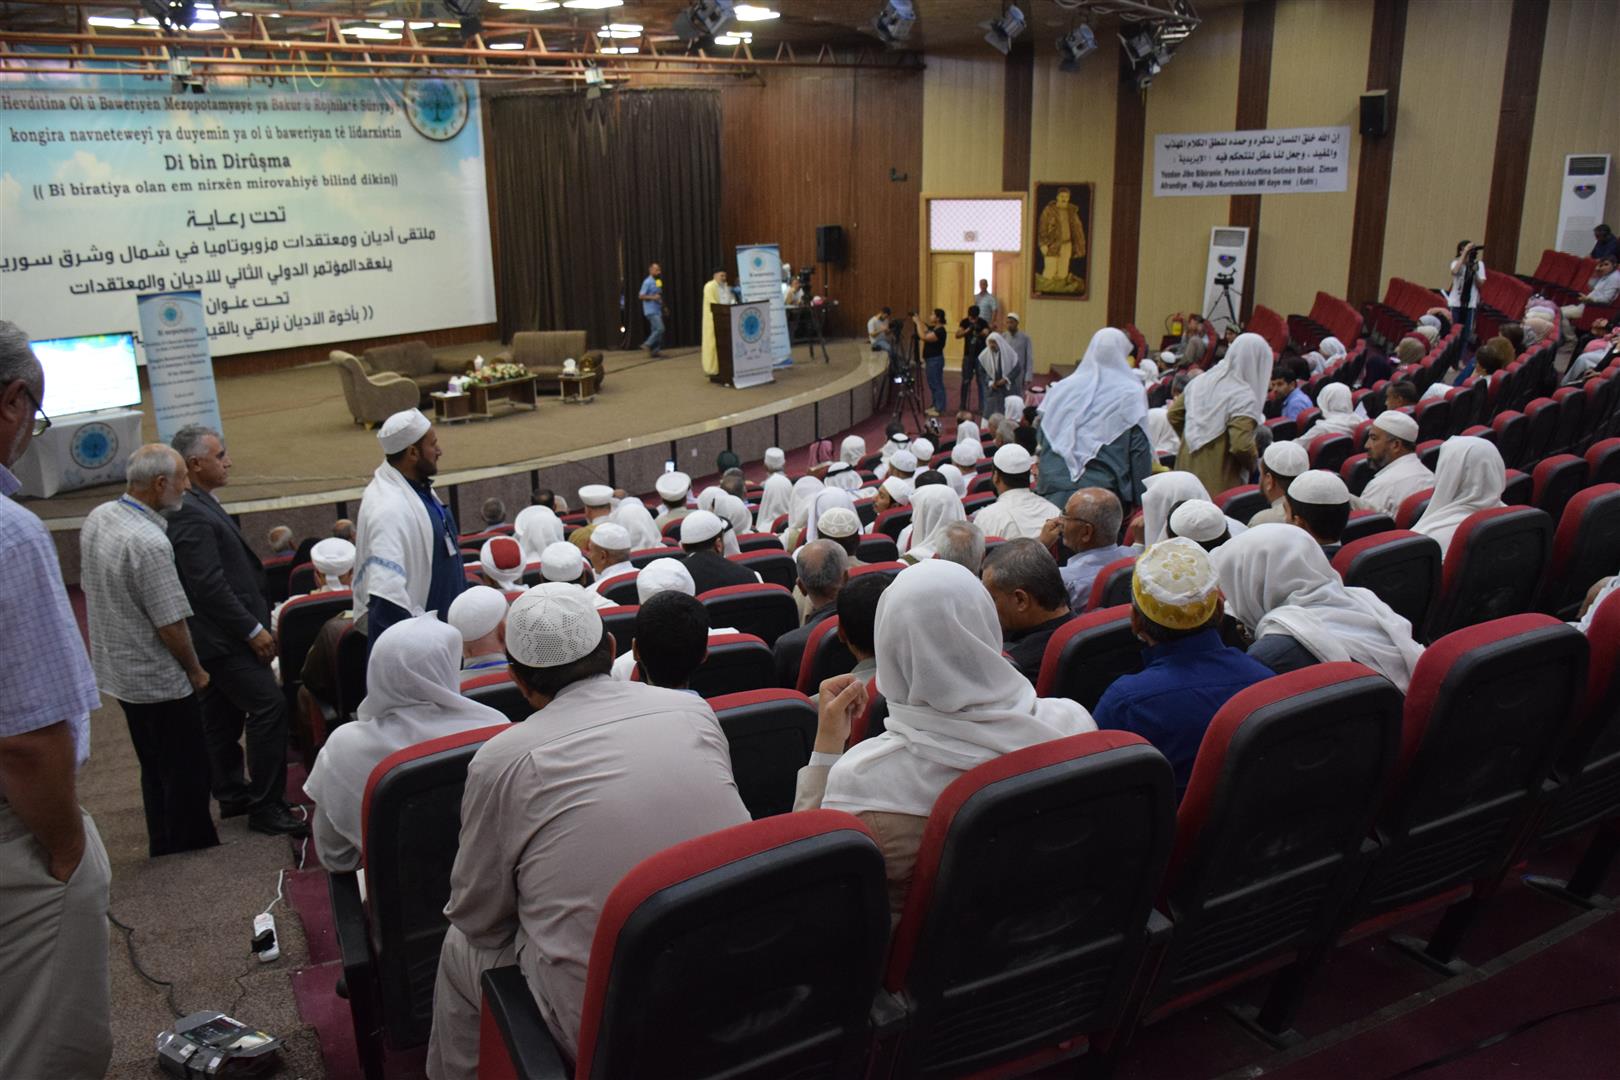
(1226, 279)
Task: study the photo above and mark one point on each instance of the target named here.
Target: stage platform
(299, 459)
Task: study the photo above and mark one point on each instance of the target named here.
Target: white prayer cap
(903, 461)
(477, 611)
(1198, 520)
(332, 557)
(1013, 316)
(838, 523)
(663, 575)
(700, 525)
(899, 490)
(1013, 459)
(673, 485)
(953, 476)
(900, 438)
(610, 536)
(1174, 584)
(562, 561)
(1319, 488)
(922, 449)
(1284, 458)
(965, 455)
(595, 495)
(775, 459)
(501, 559)
(1396, 423)
(551, 625)
(402, 430)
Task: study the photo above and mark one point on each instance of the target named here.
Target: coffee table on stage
(577, 389)
(473, 404)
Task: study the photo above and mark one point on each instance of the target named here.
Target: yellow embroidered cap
(1174, 584)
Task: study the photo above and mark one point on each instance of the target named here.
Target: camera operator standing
(974, 331)
(1467, 275)
(933, 350)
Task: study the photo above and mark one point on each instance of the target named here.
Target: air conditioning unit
(1226, 275)
(1580, 205)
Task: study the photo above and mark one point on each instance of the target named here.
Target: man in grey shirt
(141, 650)
(987, 303)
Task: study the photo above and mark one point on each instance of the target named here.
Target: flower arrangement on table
(494, 373)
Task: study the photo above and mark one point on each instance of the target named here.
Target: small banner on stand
(178, 364)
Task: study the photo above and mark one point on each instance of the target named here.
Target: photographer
(975, 332)
(933, 350)
(878, 336)
(1467, 275)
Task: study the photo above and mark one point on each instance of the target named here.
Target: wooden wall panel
(1521, 79)
(1253, 101)
(963, 117)
(807, 148)
(1015, 117)
(1306, 237)
(1451, 86)
(1576, 113)
(1385, 55)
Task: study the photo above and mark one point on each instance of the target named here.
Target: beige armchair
(415, 361)
(543, 352)
(372, 398)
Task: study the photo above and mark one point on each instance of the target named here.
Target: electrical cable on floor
(1501, 1037)
(129, 941)
(280, 875)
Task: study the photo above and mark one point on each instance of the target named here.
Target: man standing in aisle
(1023, 371)
(230, 627)
(652, 306)
(407, 557)
(55, 1008)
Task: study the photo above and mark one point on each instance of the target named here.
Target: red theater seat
(1402, 568)
(974, 503)
(1434, 419)
(754, 951)
(765, 610)
(1604, 460)
(1492, 568)
(1112, 585)
(1412, 507)
(875, 549)
(1086, 655)
(497, 690)
(1571, 417)
(1242, 503)
(1556, 481)
(640, 559)
(759, 541)
(296, 630)
(893, 521)
(771, 733)
(1518, 488)
(1512, 436)
(824, 656)
(620, 621)
(877, 568)
(1365, 523)
(1330, 451)
(1356, 472)
(736, 662)
(1583, 549)
(773, 567)
(1543, 416)
(1282, 428)
(621, 589)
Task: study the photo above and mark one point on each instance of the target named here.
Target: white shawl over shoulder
(393, 544)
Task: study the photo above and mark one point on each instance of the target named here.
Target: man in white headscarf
(1164, 492)
(1160, 433)
(1392, 450)
(953, 476)
(898, 440)
(845, 478)
(852, 450)
(638, 521)
(1218, 412)
(775, 460)
(774, 501)
(1024, 348)
(1093, 430)
(609, 553)
(997, 361)
(954, 702)
(407, 547)
(544, 836)
(933, 506)
(1468, 478)
(501, 563)
(1286, 594)
(479, 616)
(536, 528)
(1017, 511)
(413, 694)
(734, 512)
(805, 490)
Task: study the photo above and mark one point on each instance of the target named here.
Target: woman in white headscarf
(933, 506)
(852, 449)
(413, 694)
(954, 702)
(1469, 477)
(1218, 412)
(1338, 414)
(1093, 430)
(805, 490)
(1281, 587)
(537, 528)
(774, 501)
(638, 522)
(1331, 349)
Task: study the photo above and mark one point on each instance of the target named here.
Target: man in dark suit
(230, 626)
(823, 569)
(703, 540)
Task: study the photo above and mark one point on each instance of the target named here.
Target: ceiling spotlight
(893, 24)
(506, 46)
(171, 14)
(1080, 43)
(703, 20)
(592, 5)
(754, 13)
(999, 34)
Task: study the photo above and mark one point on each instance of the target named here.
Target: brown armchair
(372, 398)
(543, 352)
(415, 361)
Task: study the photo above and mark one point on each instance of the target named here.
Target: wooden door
(1008, 286)
(950, 283)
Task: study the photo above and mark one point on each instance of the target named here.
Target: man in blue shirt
(1176, 610)
(652, 306)
(1089, 527)
(1285, 380)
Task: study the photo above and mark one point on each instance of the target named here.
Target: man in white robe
(1392, 450)
(1017, 511)
(609, 553)
(715, 291)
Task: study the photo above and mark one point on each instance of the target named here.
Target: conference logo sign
(1585, 191)
(169, 313)
(759, 262)
(753, 327)
(93, 446)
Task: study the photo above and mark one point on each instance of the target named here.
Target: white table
(80, 451)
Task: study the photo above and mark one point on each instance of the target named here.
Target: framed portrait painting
(1062, 223)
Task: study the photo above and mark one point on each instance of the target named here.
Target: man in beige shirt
(1017, 511)
(558, 809)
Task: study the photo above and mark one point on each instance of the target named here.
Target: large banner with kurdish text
(302, 215)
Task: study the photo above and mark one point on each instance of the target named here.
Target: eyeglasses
(42, 423)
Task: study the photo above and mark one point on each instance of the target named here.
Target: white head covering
(1013, 408)
(562, 561)
(1317, 362)
(1173, 580)
(1234, 387)
(1318, 487)
(1286, 458)
(773, 501)
(899, 490)
(933, 506)
(1160, 433)
(826, 499)
(1164, 491)
(595, 495)
(413, 694)
(1198, 520)
(775, 459)
(1430, 320)
(967, 453)
(611, 536)
(673, 486)
(1278, 581)
(638, 521)
(805, 489)
(1338, 413)
(954, 701)
(332, 558)
(476, 612)
(489, 561)
(1469, 477)
(402, 430)
(537, 528)
(701, 525)
(1013, 459)
(968, 432)
(852, 449)
(706, 497)
(1399, 424)
(843, 476)
(734, 510)
(662, 575)
(551, 625)
(1331, 348)
(903, 461)
(953, 476)
(838, 523)
(896, 442)
(1097, 404)
(923, 450)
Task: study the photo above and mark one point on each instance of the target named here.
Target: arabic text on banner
(1273, 162)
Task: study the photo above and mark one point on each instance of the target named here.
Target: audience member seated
(536, 529)
(1093, 429)
(857, 623)
(660, 576)
(343, 529)
(1031, 601)
(822, 571)
(902, 464)
(1603, 287)
(479, 616)
(546, 818)
(842, 526)
(501, 563)
(1090, 528)
(1017, 511)
(962, 543)
(493, 512)
(1319, 503)
(1282, 462)
(1468, 477)
(1165, 492)
(1338, 417)
(1592, 359)
(608, 551)
(954, 703)
(1286, 376)
(703, 540)
(597, 502)
(333, 562)
(280, 539)
(544, 496)
(1392, 452)
(1217, 414)
(564, 563)
(1401, 394)
(1188, 672)
(672, 639)
(1289, 599)
(673, 489)
(893, 492)
(933, 507)
(638, 522)
(1201, 522)
(774, 501)
(1376, 366)
(412, 695)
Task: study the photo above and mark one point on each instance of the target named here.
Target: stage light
(893, 24)
(619, 30)
(999, 33)
(619, 50)
(735, 37)
(399, 24)
(110, 21)
(506, 46)
(752, 13)
(592, 5)
(529, 5)
(703, 20)
(372, 33)
(1080, 43)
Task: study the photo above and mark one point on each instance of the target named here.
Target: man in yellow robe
(715, 291)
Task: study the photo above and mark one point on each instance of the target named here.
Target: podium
(721, 316)
(79, 451)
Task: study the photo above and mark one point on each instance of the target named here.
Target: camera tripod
(904, 385)
(1224, 301)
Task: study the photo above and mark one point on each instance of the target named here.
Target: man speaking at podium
(715, 291)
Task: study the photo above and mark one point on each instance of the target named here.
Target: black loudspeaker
(830, 244)
(1375, 113)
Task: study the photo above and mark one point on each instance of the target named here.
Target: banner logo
(93, 446)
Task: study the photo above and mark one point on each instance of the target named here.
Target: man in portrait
(1061, 236)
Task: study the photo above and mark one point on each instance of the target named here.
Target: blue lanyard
(138, 507)
(485, 664)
